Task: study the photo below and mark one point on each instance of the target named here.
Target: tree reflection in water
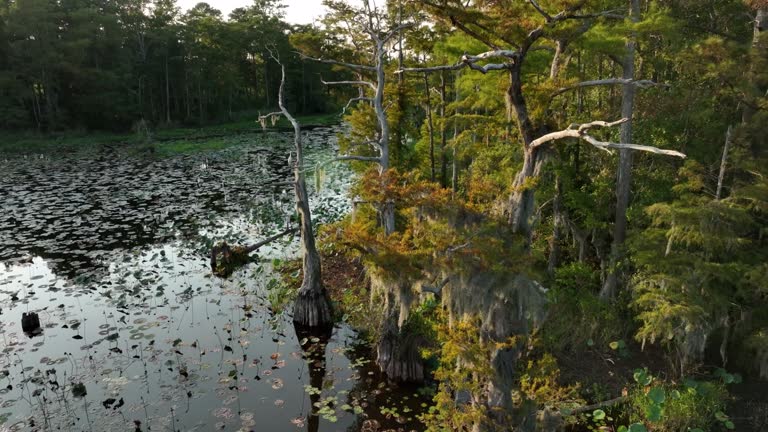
(315, 340)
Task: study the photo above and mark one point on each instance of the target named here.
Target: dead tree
(370, 22)
(312, 307)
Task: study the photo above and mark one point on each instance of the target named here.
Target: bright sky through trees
(297, 12)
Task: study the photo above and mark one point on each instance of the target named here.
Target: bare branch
(272, 114)
(273, 117)
(227, 252)
(489, 67)
(357, 99)
(546, 16)
(650, 149)
(396, 30)
(436, 289)
(471, 62)
(608, 82)
(354, 66)
(357, 158)
(510, 54)
(366, 83)
(287, 231)
(573, 131)
(580, 132)
(453, 249)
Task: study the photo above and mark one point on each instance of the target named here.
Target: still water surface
(110, 250)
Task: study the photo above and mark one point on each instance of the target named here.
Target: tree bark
(397, 353)
(167, 93)
(443, 134)
(398, 141)
(624, 176)
(521, 202)
(430, 128)
(312, 307)
(723, 164)
(556, 65)
(557, 227)
(388, 210)
(454, 159)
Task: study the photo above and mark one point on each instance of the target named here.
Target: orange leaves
(406, 190)
(433, 231)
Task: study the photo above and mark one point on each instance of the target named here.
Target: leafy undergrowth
(65, 142)
(185, 146)
(344, 279)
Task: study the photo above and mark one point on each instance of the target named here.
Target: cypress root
(312, 308)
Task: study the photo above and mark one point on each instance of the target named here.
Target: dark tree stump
(226, 259)
(30, 322)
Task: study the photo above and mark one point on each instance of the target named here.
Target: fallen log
(225, 259)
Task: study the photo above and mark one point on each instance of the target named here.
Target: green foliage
(578, 319)
(718, 242)
(697, 263)
(675, 407)
(459, 344)
(73, 65)
(540, 382)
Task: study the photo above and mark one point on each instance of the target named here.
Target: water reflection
(313, 343)
(136, 334)
(74, 210)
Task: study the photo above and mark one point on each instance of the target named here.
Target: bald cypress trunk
(312, 307)
(521, 203)
(624, 176)
(398, 351)
(388, 208)
(443, 135)
(430, 128)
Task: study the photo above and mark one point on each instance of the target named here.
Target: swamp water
(110, 249)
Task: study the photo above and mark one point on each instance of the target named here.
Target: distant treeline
(108, 64)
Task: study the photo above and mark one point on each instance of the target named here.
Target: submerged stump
(225, 259)
(30, 323)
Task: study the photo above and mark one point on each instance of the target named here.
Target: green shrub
(577, 318)
(694, 405)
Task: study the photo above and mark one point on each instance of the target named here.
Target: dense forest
(109, 64)
(561, 207)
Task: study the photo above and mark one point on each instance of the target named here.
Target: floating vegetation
(110, 251)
